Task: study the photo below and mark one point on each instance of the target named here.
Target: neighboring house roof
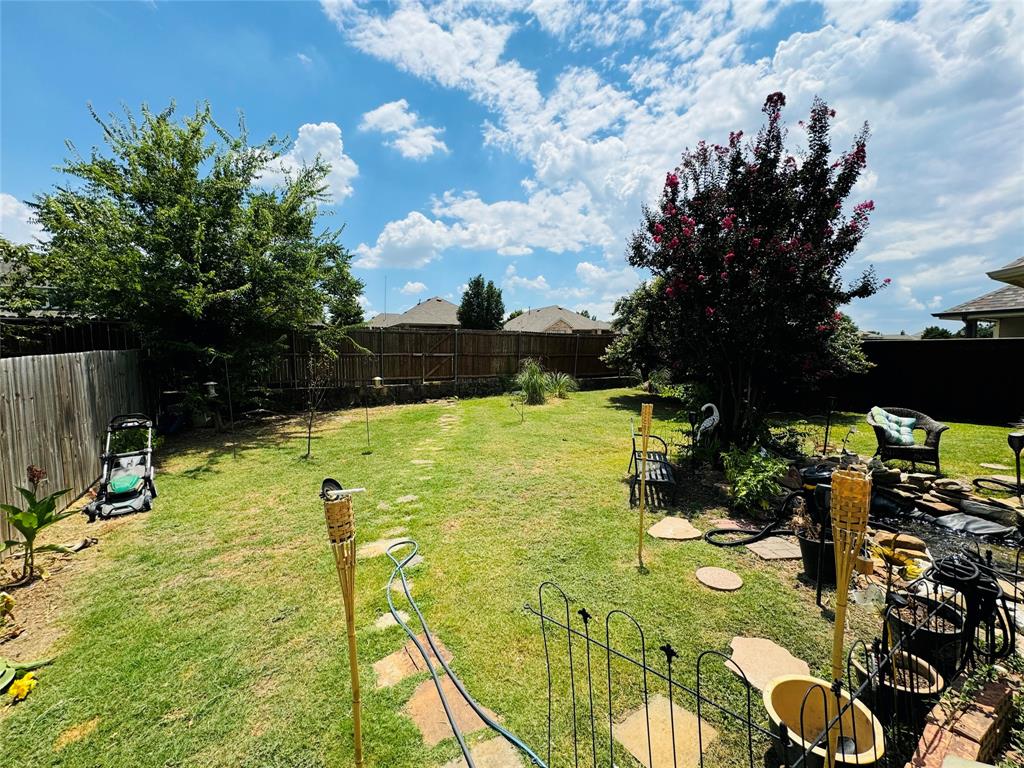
(1012, 273)
(1005, 301)
(433, 311)
(540, 320)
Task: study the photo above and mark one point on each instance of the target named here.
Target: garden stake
(341, 532)
(851, 500)
(646, 410)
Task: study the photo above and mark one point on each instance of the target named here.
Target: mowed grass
(210, 631)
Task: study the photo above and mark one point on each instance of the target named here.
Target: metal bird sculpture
(708, 425)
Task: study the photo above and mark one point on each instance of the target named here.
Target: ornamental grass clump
(561, 384)
(532, 382)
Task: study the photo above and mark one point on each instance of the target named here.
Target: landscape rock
(761, 660)
(936, 508)
(902, 541)
(675, 528)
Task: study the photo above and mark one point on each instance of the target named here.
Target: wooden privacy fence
(420, 356)
(54, 411)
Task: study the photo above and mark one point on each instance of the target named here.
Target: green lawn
(209, 632)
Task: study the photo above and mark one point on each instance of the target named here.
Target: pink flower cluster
(865, 207)
(729, 221)
(671, 180)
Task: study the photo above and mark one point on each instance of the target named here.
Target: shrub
(561, 384)
(532, 381)
(752, 473)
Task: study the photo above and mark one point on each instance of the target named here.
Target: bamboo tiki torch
(646, 411)
(851, 501)
(341, 532)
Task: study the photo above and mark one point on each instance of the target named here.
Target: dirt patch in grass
(75, 733)
(42, 606)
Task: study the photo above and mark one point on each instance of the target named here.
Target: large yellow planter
(786, 698)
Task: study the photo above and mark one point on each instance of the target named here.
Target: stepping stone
(727, 523)
(396, 586)
(386, 620)
(719, 578)
(383, 505)
(427, 712)
(631, 733)
(406, 662)
(416, 560)
(674, 528)
(996, 467)
(375, 548)
(399, 531)
(493, 753)
(775, 548)
(762, 661)
(422, 462)
(407, 499)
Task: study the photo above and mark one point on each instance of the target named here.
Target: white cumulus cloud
(17, 221)
(412, 288)
(412, 139)
(323, 140)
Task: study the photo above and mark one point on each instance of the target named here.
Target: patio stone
(762, 661)
(493, 753)
(674, 528)
(731, 524)
(375, 548)
(386, 620)
(408, 499)
(775, 548)
(406, 661)
(631, 733)
(719, 578)
(427, 712)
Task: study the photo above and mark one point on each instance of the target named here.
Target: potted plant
(904, 684)
(931, 629)
(818, 555)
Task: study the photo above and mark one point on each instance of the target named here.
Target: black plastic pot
(813, 551)
(889, 696)
(940, 640)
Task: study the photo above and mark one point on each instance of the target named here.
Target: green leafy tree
(750, 244)
(481, 307)
(587, 315)
(514, 314)
(639, 331)
(936, 332)
(170, 228)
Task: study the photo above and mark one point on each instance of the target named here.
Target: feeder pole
(646, 410)
(851, 501)
(341, 532)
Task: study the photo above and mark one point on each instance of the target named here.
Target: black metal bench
(659, 469)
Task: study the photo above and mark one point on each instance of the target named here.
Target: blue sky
(519, 139)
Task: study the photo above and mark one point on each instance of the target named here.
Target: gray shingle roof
(539, 320)
(433, 311)
(1012, 273)
(1001, 302)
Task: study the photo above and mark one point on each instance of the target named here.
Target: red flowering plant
(749, 244)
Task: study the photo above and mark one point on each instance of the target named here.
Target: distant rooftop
(433, 311)
(554, 319)
(1007, 300)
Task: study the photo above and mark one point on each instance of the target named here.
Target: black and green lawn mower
(126, 479)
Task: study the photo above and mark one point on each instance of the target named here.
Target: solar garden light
(341, 532)
(211, 388)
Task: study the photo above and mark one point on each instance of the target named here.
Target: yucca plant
(532, 381)
(561, 384)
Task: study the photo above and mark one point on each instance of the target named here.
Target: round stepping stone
(719, 578)
(386, 620)
(762, 661)
(674, 528)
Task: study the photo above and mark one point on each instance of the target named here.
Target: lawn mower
(126, 479)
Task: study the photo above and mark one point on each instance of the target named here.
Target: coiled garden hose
(717, 536)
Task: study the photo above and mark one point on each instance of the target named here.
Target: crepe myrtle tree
(749, 243)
